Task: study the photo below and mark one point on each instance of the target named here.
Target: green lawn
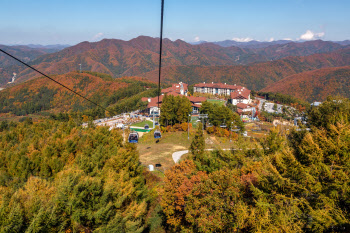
(142, 124)
(219, 102)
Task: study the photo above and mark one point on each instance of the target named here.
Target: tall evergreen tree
(198, 143)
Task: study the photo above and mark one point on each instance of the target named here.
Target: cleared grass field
(219, 102)
(154, 151)
(142, 124)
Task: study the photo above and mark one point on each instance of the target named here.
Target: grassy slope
(152, 152)
(143, 123)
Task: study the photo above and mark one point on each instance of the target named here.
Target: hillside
(254, 76)
(42, 94)
(262, 44)
(279, 51)
(315, 85)
(25, 53)
(140, 55)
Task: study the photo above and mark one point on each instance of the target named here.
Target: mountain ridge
(140, 56)
(315, 85)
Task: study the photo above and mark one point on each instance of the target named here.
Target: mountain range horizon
(257, 65)
(223, 43)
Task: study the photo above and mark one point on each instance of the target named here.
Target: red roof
(197, 99)
(173, 93)
(154, 101)
(242, 93)
(176, 87)
(218, 85)
(242, 105)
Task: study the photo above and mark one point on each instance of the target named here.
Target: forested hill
(25, 53)
(255, 76)
(140, 55)
(42, 94)
(315, 85)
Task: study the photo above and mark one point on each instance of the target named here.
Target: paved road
(177, 155)
(269, 106)
(261, 103)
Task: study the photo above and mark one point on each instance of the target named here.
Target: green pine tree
(198, 143)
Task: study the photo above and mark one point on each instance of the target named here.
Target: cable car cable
(160, 48)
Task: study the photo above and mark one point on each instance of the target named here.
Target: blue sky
(70, 22)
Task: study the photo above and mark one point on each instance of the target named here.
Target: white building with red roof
(215, 88)
(241, 95)
(179, 88)
(244, 109)
(152, 106)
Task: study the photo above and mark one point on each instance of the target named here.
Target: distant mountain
(315, 85)
(345, 42)
(198, 42)
(251, 44)
(140, 56)
(25, 53)
(126, 58)
(54, 46)
(279, 51)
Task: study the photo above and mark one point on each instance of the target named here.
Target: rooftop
(218, 85)
(242, 93)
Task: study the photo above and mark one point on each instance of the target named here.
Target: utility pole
(188, 127)
(203, 116)
(123, 133)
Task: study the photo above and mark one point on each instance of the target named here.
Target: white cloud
(310, 35)
(287, 38)
(247, 39)
(97, 36)
(271, 39)
(196, 39)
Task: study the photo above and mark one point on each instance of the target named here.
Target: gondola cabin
(133, 137)
(157, 134)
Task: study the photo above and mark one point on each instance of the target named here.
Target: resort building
(178, 88)
(152, 107)
(241, 95)
(215, 88)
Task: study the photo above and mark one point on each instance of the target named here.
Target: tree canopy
(174, 109)
(294, 183)
(57, 177)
